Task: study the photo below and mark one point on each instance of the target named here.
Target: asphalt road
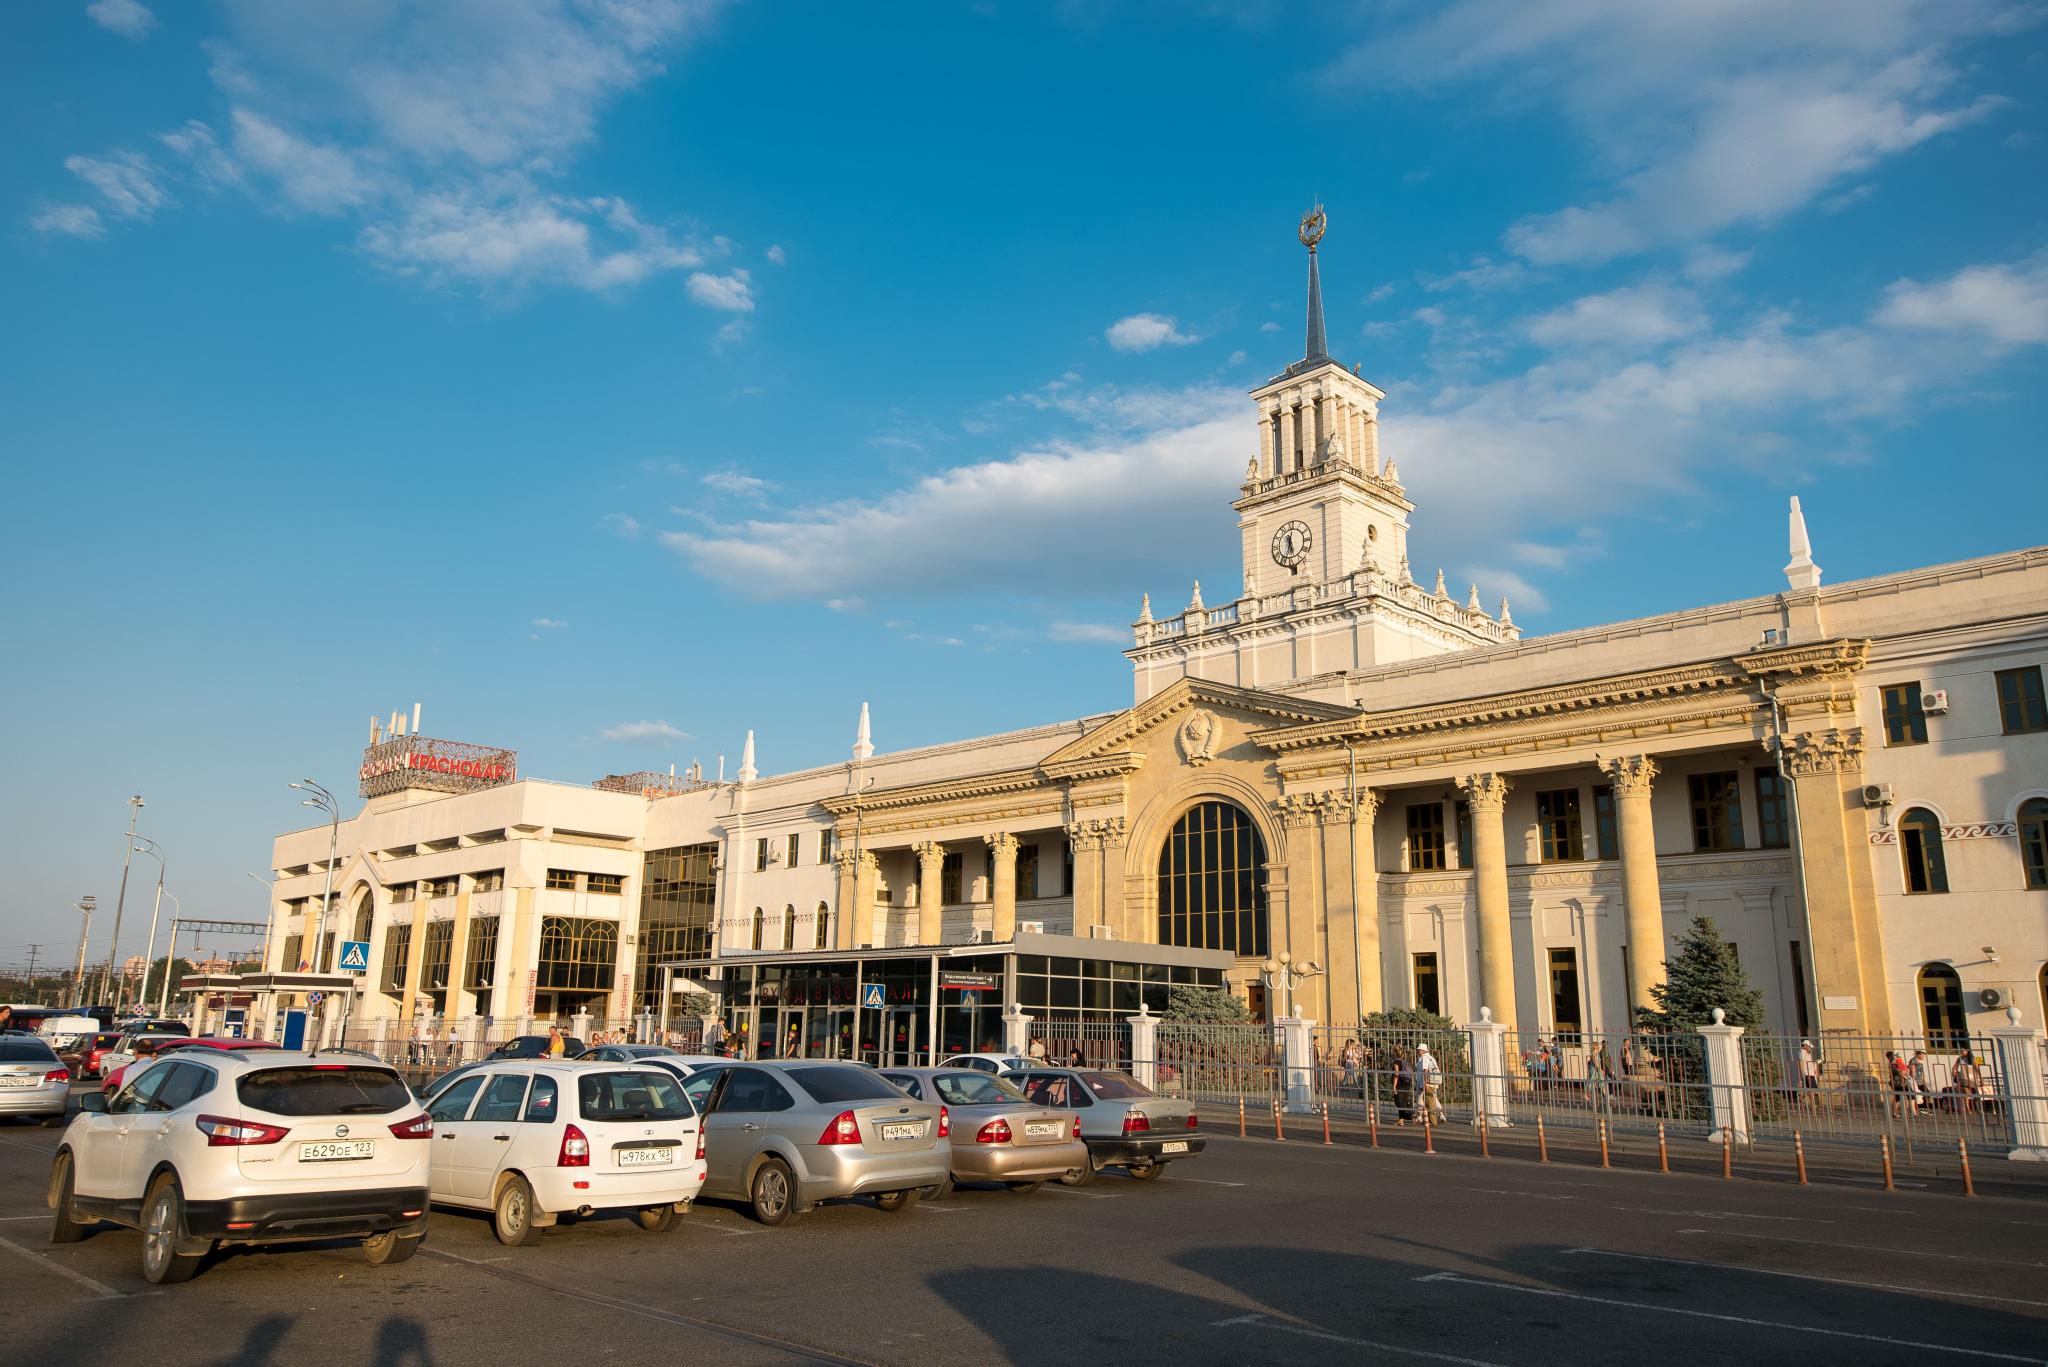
(1254, 1253)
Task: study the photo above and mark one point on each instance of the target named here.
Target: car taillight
(1135, 1122)
(575, 1151)
(223, 1133)
(57, 1075)
(419, 1127)
(1193, 1121)
(700, 1145)
(844, 1129)
(997, 1131)
(945, 1122)
(1077, 1127)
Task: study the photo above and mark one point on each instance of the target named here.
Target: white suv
(530, 1140)
(259, 1147)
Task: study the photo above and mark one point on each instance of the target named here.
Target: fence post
(1016, 1033)
(1297, 1043)
(2017, 1074)
(1145, 1046)
(1726, 1085)
(1489, 1068)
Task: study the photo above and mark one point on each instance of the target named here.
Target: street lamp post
(156, 852)
(85, 907)
(324, 801)
(163, 996)
(135, 805)
(1284, 974)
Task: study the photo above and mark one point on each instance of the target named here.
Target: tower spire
(1317, 347)
(1801, 573)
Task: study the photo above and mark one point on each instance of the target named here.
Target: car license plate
(1044, 1129)
(19, 1080)
(904, 1129)
(332, 1150)
(656, 1156)
(1174, 1146)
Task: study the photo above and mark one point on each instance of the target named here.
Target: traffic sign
(871, 994)
(315, 998)
(355, 956)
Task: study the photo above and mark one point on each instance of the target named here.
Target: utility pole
(85, 905)
(121, 900)
(33, 950)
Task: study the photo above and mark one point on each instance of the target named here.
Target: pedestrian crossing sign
(871, 994)
(355, 956)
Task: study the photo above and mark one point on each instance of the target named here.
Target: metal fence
(1218, 1062)
(1101, 1041)
(1854, 1089)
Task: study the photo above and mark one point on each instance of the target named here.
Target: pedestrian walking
(1404, 1088)
(1916, 1079)
(1428, 1080)
(1895, 1078)
(1809, 1075)
(1037, 1050)
(556, 1046)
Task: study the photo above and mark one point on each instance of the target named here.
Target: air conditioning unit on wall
(1993, 998)
(1031, 927)
(1102, 932)
(1934, 702)
(1877, 794)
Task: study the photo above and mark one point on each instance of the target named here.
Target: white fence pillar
(1726, 1085)
(2022, 1073)
(1145, 1046)
(579, 1025)
(1297, 1050)
(1016, 1032)
(1490, 1069)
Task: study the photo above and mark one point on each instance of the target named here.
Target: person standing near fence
(1895, 1078)
(1809, 1075)
(1428, 1079)
(1916, 1079)
(1404, 1088)
(1352, 1059)
(1599, 1071)
(1964, 1080)
(1037, 1050)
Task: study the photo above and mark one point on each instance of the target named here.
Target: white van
(64, 1032)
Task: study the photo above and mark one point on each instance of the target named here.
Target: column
(513, 1000)
(1847, 951)
(843, 898)
(459, 1004)
(1641, 899)
(1296, 931)
(1269, 438)
(1487, 793)
(1289, 432)
(1003, 917)
(1110, 831)
(1490, 1068)
(1144, 1046)
(1086, 838)
(1353, 885)
(416, 957)
(862, 922)
(2015, 1064)
(931, 860)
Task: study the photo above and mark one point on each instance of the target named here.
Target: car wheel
(512, 1217)
(896, 1202)
(1146, 1172)
(387, 1248)
(938, 1191)
(658, 1219)
(163, 1228)
(1026, 1188)
(1082, 1175)
(774, 1193)
(64, 1227)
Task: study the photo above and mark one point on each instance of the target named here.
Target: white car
(999, 1064)
(530, 1140)
(247, 1148)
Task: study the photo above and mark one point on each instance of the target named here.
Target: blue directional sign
(355, 956)
(871, 994)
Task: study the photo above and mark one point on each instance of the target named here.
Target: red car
(85, 1059)
(113, 1081)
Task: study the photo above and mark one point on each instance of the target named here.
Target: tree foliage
(1206, 1006)
(1703, 974)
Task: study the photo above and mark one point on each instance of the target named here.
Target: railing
(1853, 1089)
(1218, 1062)
(1101, 1041)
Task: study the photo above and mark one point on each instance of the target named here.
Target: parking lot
(1255, 1252)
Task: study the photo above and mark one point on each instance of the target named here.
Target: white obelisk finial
(1801, 573)
(863, 743)
(748, 773)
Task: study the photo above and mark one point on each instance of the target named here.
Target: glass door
(903, 1037)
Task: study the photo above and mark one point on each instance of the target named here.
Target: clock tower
(1324, 526)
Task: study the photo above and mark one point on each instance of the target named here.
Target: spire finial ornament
(1145, 608)
(748, 773)
(1196, 602)
(1318, 347)
(1801, 572)
(1472, 601)
(1440, 585)
(863, 741)
(1506, 618)
(1312, 225)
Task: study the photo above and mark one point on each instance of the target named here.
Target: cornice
(1838, 656)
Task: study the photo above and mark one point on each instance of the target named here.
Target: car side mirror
(92, 1103)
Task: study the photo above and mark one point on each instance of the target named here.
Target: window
(365, 917)
(789, 924)
(825, 844)
(760, 924)
(397, 955)
(820, 924)
(1565, 1016)
(489, 880)
(1464, 819)
(291, 961)
(2034, 841)
(453, 1104)
(540, 1102)
(402, 892)
(1557, 826)
(1716, 812)
(504, 1098)
(562, 880)
(605, 884)
(1773, 821)
(1920, 847)
(677, 889)
(1425, 835)
(1941, 1008)
(186, 1083)
(1212, 881)
(1799, 986)
(1904, 722)
(2021, 706)
(1606, 836)
(761, 855)
(576, 954)
(1027, 872)
(1066, 887)
(434, 951)
(480, 960)
(323, 1089)
(795, 846)
(750, 1089)
(834, 1086)
(950, 870)
(1427, 996)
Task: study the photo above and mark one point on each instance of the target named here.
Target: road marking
(1457, 1280)
(1263, 1322)
(1808, 1277)
(1205, 1181)
(34, 1148)
(938, 1210)
(721, 1229)
(1867, 1248)
(1727, 1215)
(41, 1260)
(1086, 1195)
(1504, 1191)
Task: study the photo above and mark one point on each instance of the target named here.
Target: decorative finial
(1801, 572)
(1196, 601)
(748, 773)
(1312, 225)
(1505, 619)
(1317, 347)
(1145, 608)
(1440, 585)
(1486, 1015)
(1472, 600)
(1720, 1016)
(1393, 474)
(863, 742)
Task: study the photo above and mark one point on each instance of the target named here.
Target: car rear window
(975, 1089)
(843, 1084)
(1115, 1085)
(25, 1050)
(648, 1095)
(323, 1089)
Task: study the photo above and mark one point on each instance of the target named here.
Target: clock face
(1291, 544)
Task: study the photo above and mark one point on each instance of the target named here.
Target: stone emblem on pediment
(1197, 738)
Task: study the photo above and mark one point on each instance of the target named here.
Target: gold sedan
(998, 1136)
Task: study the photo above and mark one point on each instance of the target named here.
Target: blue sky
(615, 377)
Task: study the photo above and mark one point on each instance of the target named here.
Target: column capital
(1002, 844)
(1486, 792)
(1297, 809)
(1094, 834)
(846, 861)
(1630, 774)
(1833, 751)
(928, 852)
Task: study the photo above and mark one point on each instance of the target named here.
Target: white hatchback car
(266, 1146)
(531, 1140)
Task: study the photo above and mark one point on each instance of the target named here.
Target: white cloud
(127, 181)
(551, 623)
(596, 244)
(1483, 274)
(197, 145)
(624, 526)
(72, 220)
(776, 254)
(1144, 331)
(128, 18)
(2006, 304)
(730, 292)
(732, 481)
(847, 604)
(1705, 265)
(1495, 585)
(315, 177)
(644, 730)
(1269, 327)
(1094, 633)
(1236, 357)
(1636, 316)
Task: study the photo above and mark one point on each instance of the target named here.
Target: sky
(612, 377)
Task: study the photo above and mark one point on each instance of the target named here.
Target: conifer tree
(1703, 974)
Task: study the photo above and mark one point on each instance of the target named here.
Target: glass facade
(677, 890)
(1212, 881)
(480, 962)
(577, 957)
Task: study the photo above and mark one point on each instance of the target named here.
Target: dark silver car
(784, 1136)
(998, 1136)
(1123, 1122)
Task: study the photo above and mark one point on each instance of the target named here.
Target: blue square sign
(871, 994)
(355, 956)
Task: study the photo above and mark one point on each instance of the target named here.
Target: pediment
(1128, 736)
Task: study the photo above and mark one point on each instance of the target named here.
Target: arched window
(1920, 845)
(760, 924)
(824, 919)
(576, 954)
(2034, 841)
(365, 906)
(1212, 881)
(1941, 1007)
(789, 926)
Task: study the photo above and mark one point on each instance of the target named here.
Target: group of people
(1417, 1078)
(1914, 1088)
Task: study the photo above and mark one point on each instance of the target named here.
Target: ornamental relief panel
(1969, 830)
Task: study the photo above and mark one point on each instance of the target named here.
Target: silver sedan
(1123, 1122)
(998, 1136)
(33, 1080)
(784, 1136)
